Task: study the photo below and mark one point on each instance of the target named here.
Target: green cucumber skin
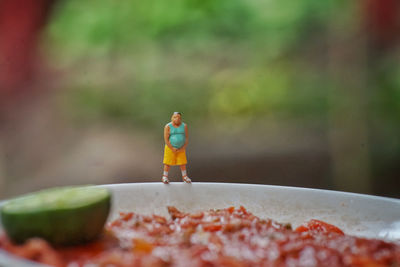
(60, 227)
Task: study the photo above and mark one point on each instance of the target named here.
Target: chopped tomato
(319, 226)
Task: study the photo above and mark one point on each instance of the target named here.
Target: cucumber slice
(62, 216)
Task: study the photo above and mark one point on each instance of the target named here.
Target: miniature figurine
(176, 140)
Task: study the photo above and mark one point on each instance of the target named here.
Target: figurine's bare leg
(166, 168)
(164, 179)
(185, 178)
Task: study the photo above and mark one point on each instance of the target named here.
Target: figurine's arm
(166, 138)
(186, 138)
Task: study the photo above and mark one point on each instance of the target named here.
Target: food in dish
(223, 237)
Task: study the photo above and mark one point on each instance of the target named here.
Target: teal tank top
(177, 135)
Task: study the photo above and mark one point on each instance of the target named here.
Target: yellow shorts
(174, 158)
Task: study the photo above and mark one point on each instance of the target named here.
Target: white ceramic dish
(356, 214)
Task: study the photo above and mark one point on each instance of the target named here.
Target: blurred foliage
(137, 61)
(204, 58)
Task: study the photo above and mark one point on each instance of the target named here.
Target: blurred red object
(382, 21)
(21, 22)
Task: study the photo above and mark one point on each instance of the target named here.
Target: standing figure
(176, 140)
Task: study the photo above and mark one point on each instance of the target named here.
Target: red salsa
(231, 237)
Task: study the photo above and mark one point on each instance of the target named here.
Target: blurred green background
(299, 93)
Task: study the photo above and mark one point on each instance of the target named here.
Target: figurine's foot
(165, 180)
(186, 179)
